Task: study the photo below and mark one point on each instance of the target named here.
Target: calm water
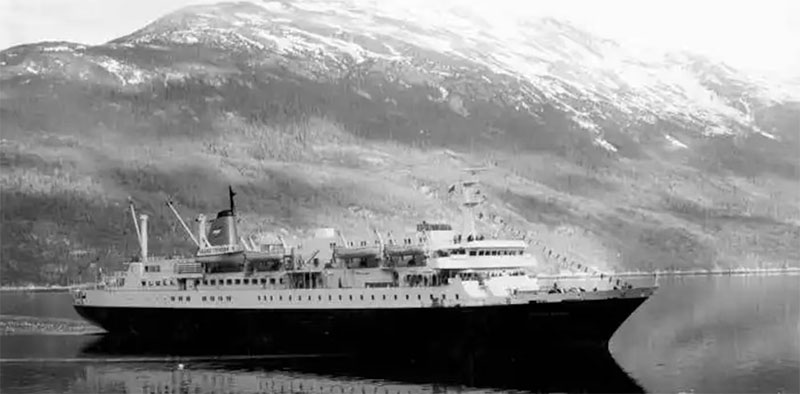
(697, 334)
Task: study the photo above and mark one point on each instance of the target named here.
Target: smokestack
(201, 230)
(143, 229)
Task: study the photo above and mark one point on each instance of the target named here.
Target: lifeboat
(357, 251)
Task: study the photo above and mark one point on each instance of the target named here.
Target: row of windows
(341, 298)
(217, 298)
(214, 282)
(246, 281)
(498, 252)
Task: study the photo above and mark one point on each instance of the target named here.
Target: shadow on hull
(559, 368)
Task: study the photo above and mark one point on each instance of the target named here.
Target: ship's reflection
(171, 368)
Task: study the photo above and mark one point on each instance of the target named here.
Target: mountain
(334, 113)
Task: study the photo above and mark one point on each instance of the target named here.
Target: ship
(435, 288)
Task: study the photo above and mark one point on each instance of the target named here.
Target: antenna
(231, 193)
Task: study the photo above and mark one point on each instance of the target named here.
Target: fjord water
(697, 334)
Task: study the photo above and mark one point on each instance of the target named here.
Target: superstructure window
(203, 299)
(180, 298)
(228, 282)
(473, 253)
(228, 298)
(263, 281)
(188, 298)
(238, 281)
(272, 281)
(247, 281)
(211, 298)
(172, 298)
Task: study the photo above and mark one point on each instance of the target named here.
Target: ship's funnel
(223, 229)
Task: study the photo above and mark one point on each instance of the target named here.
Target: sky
(762, 36)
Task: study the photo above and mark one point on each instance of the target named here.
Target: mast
(231, 193)
(470, 192)
(185, 227)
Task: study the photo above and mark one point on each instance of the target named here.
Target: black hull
(495, 327)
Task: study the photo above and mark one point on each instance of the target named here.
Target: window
(263, 281)
(211, 298)
(213, 282)
(259, 298)
(247, 281)
(290, 298)
(270, 298)
(319, 298)
(444, 296)
(419, 296)
(172, 298)
(384, 297)
(272, 281)
(238, 281)
(472, 253)
(228, 298)
(280, 298)
(188, 298)
(395, 296)
(228, 282)
(309, 298)
(205, 282)
(362, 297)
(180, 298)
(456, 296)
(480, 253)
(158, 283)
(340, 297)
(494, 253)
(373, 297)
(281, 280)
(351, 297)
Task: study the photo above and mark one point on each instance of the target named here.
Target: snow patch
(674, 141)
(600, 141)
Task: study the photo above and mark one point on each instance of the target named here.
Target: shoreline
(624, 274)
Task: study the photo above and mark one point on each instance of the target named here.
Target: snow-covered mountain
(465, 58)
